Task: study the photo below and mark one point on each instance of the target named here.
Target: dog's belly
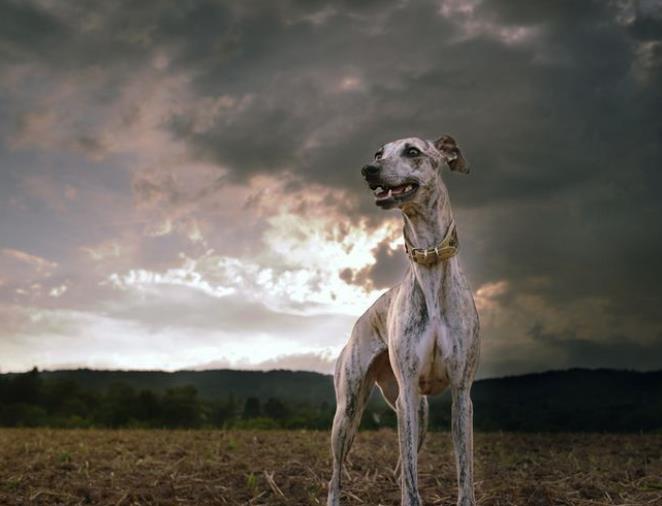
(433, 377)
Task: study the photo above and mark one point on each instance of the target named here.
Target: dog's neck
(427, 224)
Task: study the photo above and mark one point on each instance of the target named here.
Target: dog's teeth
(378, 190)
(390, 193)
(408, 188)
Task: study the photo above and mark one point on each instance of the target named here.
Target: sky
(180, 180)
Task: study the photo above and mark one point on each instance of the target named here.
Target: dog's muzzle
(389, 195)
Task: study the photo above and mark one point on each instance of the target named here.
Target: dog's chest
(433, 350)
(430, 320)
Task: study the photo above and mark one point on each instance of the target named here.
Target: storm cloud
(150, 150)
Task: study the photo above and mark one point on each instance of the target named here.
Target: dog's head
(409, 170)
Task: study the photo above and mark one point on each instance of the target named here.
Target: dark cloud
(27, 31)
(616, 351)
(389, 267)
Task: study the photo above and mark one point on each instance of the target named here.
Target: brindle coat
(421, 336)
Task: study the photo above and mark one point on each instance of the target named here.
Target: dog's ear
(451, 154)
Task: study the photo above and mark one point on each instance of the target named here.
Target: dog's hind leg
(422, 430)
(354, 379)
(423, 416)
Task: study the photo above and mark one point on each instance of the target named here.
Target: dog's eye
(379, 154)
(412, 152)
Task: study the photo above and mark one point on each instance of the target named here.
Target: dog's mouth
(388, 195)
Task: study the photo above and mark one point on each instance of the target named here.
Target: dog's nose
(370, 170)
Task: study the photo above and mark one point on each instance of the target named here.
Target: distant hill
(569, 400)
(213, 385)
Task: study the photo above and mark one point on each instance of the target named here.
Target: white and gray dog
(421, 335)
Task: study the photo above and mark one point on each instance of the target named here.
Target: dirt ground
(140, 467)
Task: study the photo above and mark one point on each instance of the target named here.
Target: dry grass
(131, 467)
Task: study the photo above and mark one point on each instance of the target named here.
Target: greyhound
(422, 335)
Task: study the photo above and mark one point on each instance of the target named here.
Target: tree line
(573, 400)
(27, 400)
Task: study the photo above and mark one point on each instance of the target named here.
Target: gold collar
(446, 249)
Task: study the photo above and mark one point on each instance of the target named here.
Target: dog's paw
(466, 501)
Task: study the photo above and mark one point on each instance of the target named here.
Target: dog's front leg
(462, 430)
(408, 410)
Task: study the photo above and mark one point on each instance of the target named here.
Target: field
(139, 467)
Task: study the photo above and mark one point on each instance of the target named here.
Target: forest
(576, 400)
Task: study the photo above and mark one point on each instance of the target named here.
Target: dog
(422, 335)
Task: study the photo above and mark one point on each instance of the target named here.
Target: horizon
(330, 374)
(180, 183)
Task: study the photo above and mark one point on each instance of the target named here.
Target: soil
(154, 467)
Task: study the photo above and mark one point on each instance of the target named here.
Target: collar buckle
(443, 251)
